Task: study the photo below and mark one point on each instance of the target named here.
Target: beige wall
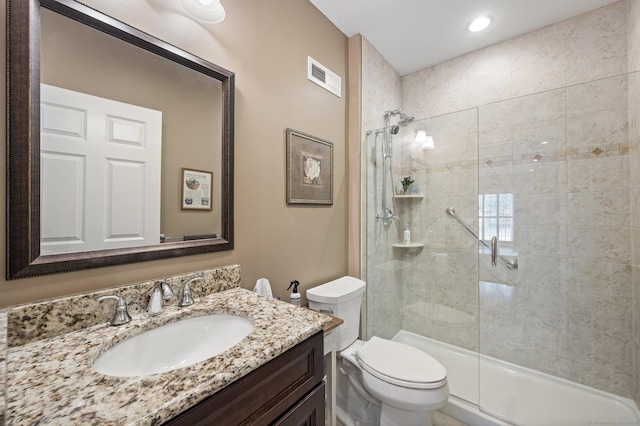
(267, 49)
(354, 195)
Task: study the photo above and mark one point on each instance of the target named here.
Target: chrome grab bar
(494, 250)
(511, 263)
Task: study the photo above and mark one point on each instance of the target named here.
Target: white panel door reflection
(100, 173)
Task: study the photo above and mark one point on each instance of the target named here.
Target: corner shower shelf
(414, 196)
(408, 246)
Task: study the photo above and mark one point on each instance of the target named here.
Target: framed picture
(196, 189)
(309, 169)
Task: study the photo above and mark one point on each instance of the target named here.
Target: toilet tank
(341, 298)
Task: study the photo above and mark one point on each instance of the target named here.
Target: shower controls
(387, 218)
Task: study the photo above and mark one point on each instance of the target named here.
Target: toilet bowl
(398, 381)
(355, 405)
(406, 382)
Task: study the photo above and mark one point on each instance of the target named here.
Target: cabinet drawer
(308, 412)
(265, 394)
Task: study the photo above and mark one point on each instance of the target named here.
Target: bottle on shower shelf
(406, 235)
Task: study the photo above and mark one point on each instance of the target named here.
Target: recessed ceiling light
(479, 24)
(207, 11)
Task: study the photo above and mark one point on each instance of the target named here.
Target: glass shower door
(554, 194)
(522, 208)
(429, 291)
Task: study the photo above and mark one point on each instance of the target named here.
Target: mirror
(195, 132)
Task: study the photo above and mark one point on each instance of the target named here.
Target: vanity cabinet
(308, 412)
(286, 391)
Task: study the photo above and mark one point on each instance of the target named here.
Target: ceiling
(415, 34)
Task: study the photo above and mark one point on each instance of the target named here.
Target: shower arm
(511, 263)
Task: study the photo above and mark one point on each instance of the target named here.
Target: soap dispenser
(294, 298)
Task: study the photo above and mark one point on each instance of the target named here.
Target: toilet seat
(401, 364)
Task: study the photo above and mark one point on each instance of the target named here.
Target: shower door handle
(494, 251)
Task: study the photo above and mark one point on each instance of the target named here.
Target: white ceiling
(415, 34)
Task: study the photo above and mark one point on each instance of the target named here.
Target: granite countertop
(335, 322)
(50, 381)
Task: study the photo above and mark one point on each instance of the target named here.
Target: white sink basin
(173, 346)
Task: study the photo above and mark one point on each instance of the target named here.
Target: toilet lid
(400, 364)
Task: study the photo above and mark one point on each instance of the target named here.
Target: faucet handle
(121, 315)
(160, 293)
(185, 294)
(167, 291)
(164, 288)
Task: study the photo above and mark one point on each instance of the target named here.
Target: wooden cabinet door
(261, 397)
(307, 412)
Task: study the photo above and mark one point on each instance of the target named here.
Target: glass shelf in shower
(414, 196)
(408, 246)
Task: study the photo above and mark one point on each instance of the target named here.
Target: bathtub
(520, 395)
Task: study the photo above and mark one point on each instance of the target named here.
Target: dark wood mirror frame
(23, 143)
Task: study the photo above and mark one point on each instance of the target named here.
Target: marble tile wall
(568, 309)
(633, 37)
(380, 92)
(584, 48)
(380, 87)
(440, 280)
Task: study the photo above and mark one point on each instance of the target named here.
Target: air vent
(324, 77)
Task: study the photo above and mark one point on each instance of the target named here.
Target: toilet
(381, 381)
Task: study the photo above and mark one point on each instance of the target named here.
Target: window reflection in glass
(495, 214)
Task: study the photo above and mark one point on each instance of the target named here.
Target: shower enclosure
(522, 221)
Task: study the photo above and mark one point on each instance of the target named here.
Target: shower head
(395, 129)
(403, 122)
(404, 118)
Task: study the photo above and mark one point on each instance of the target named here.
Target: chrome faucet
(161, 292)
(121, 315)
(185, 294)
